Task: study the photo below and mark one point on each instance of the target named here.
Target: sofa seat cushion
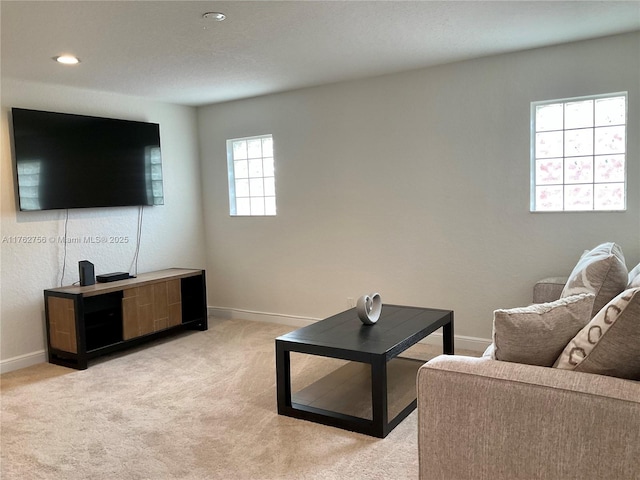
(537, 334)
(610, 343)
(601, 271)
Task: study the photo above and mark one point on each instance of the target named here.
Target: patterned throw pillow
(610, 343)
(536, 335)
(601, 271)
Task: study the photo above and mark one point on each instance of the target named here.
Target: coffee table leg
(283, 377)
(379, 396)
(447, 336)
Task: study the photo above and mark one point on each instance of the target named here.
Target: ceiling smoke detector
(217, 16)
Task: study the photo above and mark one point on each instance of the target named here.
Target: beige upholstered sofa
(482, 418)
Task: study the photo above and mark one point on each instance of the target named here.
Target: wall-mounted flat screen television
(75, 161)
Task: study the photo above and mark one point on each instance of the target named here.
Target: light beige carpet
(200, 405)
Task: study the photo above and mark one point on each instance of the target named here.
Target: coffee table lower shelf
(347, 390)
(344, 397)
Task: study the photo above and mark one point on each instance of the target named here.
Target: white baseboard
(461, 341)
(22, 361)
(239, 314)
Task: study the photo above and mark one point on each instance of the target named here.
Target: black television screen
(75, 161)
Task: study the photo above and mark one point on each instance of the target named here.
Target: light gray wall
(172, 234)
(415, 185)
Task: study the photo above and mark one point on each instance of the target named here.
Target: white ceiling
(166, 51)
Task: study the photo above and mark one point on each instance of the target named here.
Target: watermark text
(61, 239)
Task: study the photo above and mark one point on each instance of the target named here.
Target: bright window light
(251, 167)
(578, 154)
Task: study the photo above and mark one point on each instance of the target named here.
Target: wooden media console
(86, 322)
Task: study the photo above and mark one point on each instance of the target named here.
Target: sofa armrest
(548, 289)
(484, 419)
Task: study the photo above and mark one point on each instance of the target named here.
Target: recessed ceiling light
(217, 16)
(67, 59)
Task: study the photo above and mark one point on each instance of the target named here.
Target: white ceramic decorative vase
(369, 308)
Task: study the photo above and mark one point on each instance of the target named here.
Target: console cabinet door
(151, 308)
(62, 324)
(174, 302)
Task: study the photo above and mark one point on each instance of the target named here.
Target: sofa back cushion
(601, 271)
(610, 343)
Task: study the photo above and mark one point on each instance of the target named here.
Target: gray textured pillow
(600, 271)
(536, 335)
(610, 343)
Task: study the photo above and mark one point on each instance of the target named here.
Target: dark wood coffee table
(374, 348)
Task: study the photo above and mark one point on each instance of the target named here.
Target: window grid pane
(579, 154)
(251, 176)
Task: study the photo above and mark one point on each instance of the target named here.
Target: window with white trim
(251, 167)
(578, 154)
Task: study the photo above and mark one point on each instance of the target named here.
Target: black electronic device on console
(112, 277)
(87, 275)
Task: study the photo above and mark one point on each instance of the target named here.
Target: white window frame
(564, 157)
(252, 189)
